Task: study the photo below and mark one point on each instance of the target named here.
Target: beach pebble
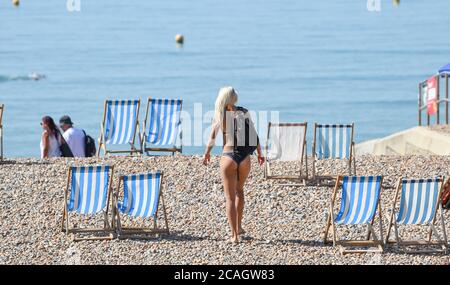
(284, 224)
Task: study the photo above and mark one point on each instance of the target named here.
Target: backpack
(446, 195)
(89, 145)
(245, 137)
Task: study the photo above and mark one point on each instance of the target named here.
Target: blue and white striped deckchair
(333, 142)
(141, 196)
(88, 193)
(163, 126)
(419, 202)
(2, 108)
(119, 126)
(359, 204)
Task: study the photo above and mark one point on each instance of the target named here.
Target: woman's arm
(45, 142)
(260, 154)
(210, 145)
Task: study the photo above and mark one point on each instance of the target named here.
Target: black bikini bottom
(238, 157)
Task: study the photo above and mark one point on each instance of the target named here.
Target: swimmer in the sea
(36, 76)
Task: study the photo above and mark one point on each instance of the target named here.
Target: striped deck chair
(420, 200)
(333, 142)
(286, 142)
(141, 197)
(359, 204)
(87, 194)
(164, 126)
(2, 108)
(119, 126)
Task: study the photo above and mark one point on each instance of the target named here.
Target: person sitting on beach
(74, 137)
(50, 140)
(235, 161)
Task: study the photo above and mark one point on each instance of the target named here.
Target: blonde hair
(227, 96)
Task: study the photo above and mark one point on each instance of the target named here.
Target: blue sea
(315, 61)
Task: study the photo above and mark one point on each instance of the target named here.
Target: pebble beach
(284, 224)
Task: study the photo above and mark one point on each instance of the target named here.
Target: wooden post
(166, 221)
(65, 218)
(136, 129)
(266, 164)
(102, 129)
(314, 153)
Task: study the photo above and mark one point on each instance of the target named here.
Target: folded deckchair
(360, 201)
(2, 108)
(286, 142)
(333, 142)
(119, 126)
(87, 194)
(163, 128)
(420, 200)
(141, 197)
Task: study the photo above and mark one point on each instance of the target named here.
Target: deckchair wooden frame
(432, 229)
(351, 160)
(65, 224)
(102, 143)
(2, 108)
(133, 232)
(303, 157)
(343, 244)
(173, 149)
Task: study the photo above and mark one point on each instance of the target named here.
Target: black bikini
(238, 155)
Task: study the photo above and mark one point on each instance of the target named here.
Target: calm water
(325, 61)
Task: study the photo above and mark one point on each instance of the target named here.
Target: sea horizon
(328, 62)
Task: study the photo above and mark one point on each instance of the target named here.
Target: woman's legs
(244, 170)
(228, 169)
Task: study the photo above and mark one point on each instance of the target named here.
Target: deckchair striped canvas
(333, 141)
(87, 193)
(419, 199)
(164, 121)
(121, 121)
(141, 193)
(88, 189)
(359, 199)
(141, 197)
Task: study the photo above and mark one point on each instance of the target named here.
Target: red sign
(431, 96)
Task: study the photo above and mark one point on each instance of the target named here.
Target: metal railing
(439, 101)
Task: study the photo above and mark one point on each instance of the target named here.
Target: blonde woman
(240, 141)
